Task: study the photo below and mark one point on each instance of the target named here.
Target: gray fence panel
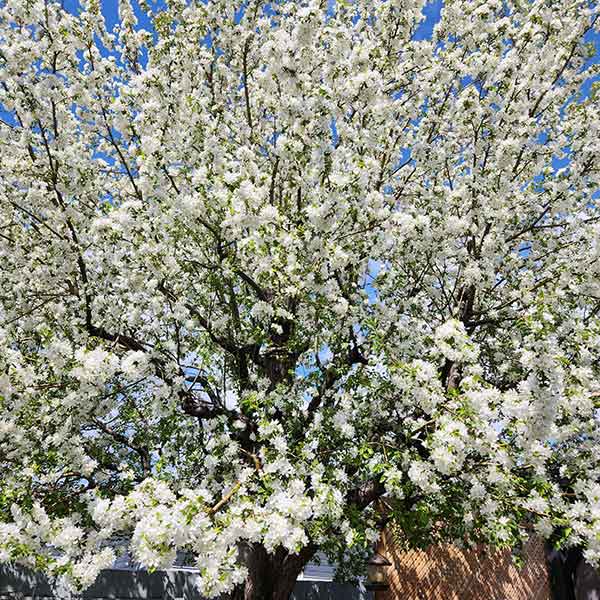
(114, 584)
(327, 590)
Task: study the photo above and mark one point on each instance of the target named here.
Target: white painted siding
(318, 572)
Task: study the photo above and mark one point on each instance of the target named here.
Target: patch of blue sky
(524, 249)
(592, 37)
(477, 84)
(331, 5)
(325, 355)
(208, 40)
(335, 137)
(404, 159)
(373, 269)
(110, 12)
(239, 13)
(559, 163)
(107, 158)
(433, 13)
(72, 6)
(542, 137)
(269, 11)
(8, 116)
(587, 86)
(322, 357)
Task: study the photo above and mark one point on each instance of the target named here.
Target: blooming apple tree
(275, 272)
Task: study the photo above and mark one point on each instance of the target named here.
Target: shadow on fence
(21, 584)
(446, 572)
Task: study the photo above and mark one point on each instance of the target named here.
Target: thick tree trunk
(571, 577)
(562, 566)
(270, 576)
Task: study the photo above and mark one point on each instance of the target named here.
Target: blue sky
(431, 11)
(111, 14)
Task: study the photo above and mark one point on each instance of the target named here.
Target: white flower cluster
(452, 341)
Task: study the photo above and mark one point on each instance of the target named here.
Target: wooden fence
(446, 572)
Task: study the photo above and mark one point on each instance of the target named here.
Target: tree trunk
(562, 567)
(270, 576)
(571, 577)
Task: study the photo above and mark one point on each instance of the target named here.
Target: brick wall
(449, 573)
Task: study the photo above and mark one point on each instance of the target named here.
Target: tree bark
(270, 576)
(562, 567)
(571, 577)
